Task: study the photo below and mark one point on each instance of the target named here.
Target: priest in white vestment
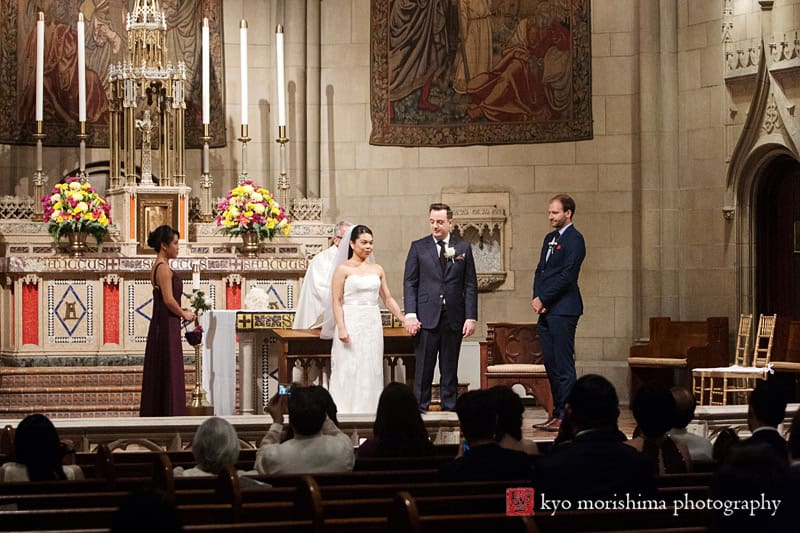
(315, 294)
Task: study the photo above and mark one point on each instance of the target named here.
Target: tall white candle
(40, 67)
(243, 67)
(281, 76)
(81, 70)
(206, 75)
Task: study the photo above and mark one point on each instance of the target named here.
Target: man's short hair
(339, 225)
(593, 402)
(685, 404)
(794, 436)
(768, 403)
(442, 207)
(306, 412)
(476, 415)
(567, 203)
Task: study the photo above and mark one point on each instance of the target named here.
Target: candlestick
(281, 76)
(243, 68)
(40, 67)
(206, 74)
(81, 70)
(196, 276)
(206, 181)
(39, 177)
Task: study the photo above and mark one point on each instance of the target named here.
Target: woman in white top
(38, 453)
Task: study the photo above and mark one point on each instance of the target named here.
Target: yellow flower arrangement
(73, 206)
(249, 208)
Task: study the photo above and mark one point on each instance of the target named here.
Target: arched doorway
(777, 231)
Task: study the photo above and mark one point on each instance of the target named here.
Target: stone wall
(649, 187)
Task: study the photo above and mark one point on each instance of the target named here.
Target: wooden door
(778, 240)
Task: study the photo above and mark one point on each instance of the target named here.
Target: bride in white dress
(358, 283)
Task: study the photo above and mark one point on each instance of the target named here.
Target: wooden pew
(675, 348)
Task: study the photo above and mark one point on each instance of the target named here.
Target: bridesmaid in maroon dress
(163, 389)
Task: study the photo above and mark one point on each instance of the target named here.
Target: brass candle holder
(244, 138)
(283, 179)
(39, 177)
(82, 165)
(206, 181)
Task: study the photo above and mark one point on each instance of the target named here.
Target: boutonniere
(553, 244)
(449, 252)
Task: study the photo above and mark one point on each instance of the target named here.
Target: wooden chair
(511, 355)
(700, 382)
(718, 385)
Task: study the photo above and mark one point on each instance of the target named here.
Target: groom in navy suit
(557, 300)
(440, 294)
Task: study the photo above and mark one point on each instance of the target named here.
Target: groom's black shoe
(544, 424)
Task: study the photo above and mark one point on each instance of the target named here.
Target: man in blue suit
(440, 295)
(557, 300)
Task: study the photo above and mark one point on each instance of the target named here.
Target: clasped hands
(412, 326)
(538, 306)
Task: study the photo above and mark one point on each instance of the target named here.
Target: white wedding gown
(356, 379)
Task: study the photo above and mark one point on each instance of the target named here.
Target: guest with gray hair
(215, 446)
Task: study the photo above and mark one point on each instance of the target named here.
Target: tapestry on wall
(448, 73)
(106, 43)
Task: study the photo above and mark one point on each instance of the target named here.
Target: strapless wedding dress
(356, 379)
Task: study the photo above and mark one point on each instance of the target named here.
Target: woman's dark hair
(161, 235)
(358, 230)
(399, 429)
(38, 447)
(654, 410)
(509, 410)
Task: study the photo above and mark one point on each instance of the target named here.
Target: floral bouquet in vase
(252, 212)
(76, 208)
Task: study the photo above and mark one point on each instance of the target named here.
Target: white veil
(328, 321)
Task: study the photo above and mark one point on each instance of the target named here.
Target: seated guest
(767, 408)
(724, 444)
(700, 449)
(754, 472)
(398, 430)
(654, 410)
(215, 446)
(147, 509)
(484, 459)
(794, 443)
(595, 463)
(509, 411)
(318, 445)
(39, 454)
(324, 397)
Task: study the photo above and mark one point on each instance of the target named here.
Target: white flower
(257, 197)
(81, 207)
(449, 252)
(55, 198)
(248, 189)
(75, 185)
(259, 208)
(77, 196)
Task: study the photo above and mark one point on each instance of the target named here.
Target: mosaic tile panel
(70, 312)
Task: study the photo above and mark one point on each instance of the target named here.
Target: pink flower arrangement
(249, 208)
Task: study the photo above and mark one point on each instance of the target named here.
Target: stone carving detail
(742, 58)
(14, 207)
(483, 227)
(111, 279)
(772, 120)
(232, 279)
(306, 209)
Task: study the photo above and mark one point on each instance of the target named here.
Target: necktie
(442, 258)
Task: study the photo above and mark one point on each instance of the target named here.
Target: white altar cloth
(219, 360)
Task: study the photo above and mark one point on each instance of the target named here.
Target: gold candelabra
(39, 177)
(206, 181)
(199, 404)
(82, 156)
(283, 179)
(244, 138)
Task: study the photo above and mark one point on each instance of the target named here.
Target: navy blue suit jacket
(556, 281)
(425, 286)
